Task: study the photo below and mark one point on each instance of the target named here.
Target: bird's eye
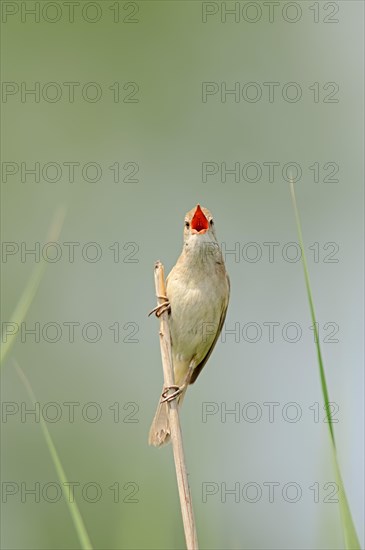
(211, 222)
(187, 225)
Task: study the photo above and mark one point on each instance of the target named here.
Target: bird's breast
(196, 309)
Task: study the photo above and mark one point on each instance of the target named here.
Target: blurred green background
(168, 51)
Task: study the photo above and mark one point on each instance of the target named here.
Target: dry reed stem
(176, 435)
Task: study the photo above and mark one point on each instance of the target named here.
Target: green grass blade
(72, 506)
(351, 539)
(31, 287)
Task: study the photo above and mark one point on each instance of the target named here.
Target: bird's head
(198, 221)
(199, 233)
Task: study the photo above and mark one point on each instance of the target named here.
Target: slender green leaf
(31, 287)
(72, 506)
(351, 540)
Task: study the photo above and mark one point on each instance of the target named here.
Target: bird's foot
(161, 308)
(166, 398)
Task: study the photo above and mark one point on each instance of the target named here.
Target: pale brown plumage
(198, 291)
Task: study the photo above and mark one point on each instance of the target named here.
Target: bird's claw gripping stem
(167, 398)
(161, 308)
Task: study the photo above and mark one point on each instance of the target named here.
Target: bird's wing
(199, 367)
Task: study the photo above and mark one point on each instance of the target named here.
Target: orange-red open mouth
(199, 223)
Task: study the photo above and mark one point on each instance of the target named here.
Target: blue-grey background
(167, 135)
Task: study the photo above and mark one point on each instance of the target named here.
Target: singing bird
(197, 291)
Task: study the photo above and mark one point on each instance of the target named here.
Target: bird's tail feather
(160, 429)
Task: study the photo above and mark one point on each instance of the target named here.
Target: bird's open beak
(199, 223)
